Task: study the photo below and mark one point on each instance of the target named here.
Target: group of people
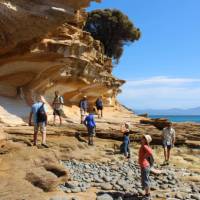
(39, 114)
(84, 107)
(146, 158)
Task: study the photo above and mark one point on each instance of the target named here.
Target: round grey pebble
(106, 186)
(104, 197)
(58, 198)
(195, 196)
(76, 190)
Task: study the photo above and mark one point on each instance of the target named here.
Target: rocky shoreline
(121, 181)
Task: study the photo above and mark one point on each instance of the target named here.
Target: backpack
(150, 159)
(60, 98)
(99, 103)
(41, 114)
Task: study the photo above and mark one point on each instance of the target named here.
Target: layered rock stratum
(42, 49)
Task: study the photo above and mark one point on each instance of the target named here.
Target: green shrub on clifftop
(113, 29)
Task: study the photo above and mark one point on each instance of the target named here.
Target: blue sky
(162, 69)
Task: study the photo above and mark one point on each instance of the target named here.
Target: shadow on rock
(79, 138)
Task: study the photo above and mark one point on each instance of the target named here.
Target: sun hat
(148, 138)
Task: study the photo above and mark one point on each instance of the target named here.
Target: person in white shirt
(168, 140)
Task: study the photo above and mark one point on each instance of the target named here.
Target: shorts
(83, 112)
(145, 179)
(99, 107)
(40, 126)
(58, 112)
(167, 145)
(91, 131)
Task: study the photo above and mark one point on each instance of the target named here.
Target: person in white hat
(125, 129)
(145, 153)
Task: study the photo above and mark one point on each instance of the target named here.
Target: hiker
(168, 140)
(57, 104)
(91, 126)
(39, 113)
(99, 106)
(125, 129)
(145, 162)
(83, 108)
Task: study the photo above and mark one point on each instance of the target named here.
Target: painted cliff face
(23, 23)
(50, 52)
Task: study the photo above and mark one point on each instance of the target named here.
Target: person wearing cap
(125, 129)
(83, 105)
(39, 113)
(168, 140)
(145, 152)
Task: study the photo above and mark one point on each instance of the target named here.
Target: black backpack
(41, 114)
(150, 159)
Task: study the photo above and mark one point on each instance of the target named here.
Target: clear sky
(162, 69)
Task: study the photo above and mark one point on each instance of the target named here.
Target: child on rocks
(145, 153)
(125, 129)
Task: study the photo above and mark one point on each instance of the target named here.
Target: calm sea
(179, 118)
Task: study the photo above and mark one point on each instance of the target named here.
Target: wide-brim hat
(148, 138)
(127, 124)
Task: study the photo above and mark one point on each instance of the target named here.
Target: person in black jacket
(99, 106)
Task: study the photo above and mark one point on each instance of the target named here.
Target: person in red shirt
(144, 153)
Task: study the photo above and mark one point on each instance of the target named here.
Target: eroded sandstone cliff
(43, 48)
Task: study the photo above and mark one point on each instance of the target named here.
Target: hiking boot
(45, 145)
(164, 163)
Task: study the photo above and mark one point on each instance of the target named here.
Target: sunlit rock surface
(43, 48)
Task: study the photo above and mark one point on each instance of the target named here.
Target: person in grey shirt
(57, 104)
(168, 140)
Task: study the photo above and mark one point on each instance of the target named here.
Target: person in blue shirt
(83, 108)
(126, 139)
(99, 106)
(91, 126)
(39, 114)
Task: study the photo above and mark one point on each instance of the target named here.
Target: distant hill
(173, 111)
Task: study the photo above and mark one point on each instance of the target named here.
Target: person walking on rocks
(57, 104)
(125, 129)
(168, 140)
(99, 106)
(39, 113)
(83, 108)
(91, 126)
(145, 153)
